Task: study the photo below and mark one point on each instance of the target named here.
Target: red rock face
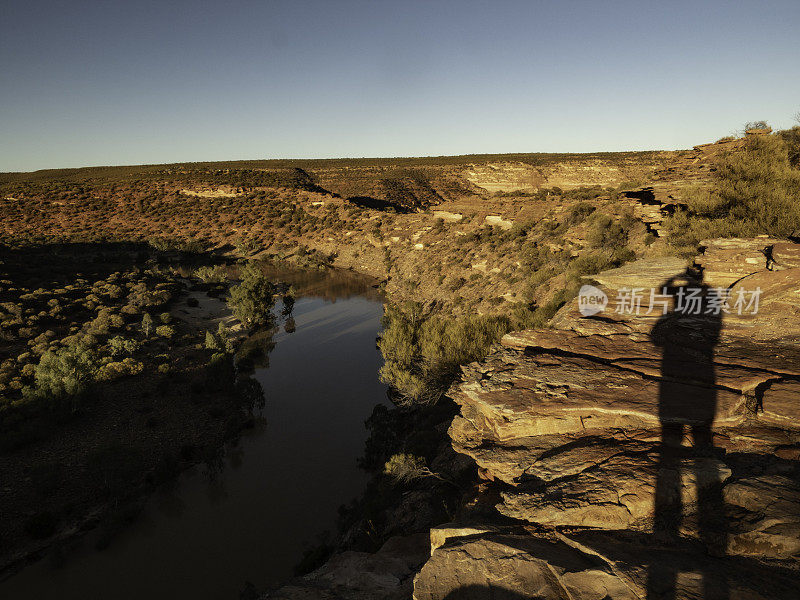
(662, 452)
(785, 255)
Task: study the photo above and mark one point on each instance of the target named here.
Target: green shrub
(446, 343)
(253, 298)
(147, 325)
(405, 468)
(422, 353)
(758, 188)
(65, 375)
(207, 274)
(247, 246)
(105, 322)
(606, 232)
(756, 191)
(166, 331)
(220, 341)
(579, 212)
(115, 370)
(211, 342)
(792, 139)
(592, 262)
(120, 345)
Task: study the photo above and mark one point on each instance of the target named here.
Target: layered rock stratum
(607, 474)
(608, 492)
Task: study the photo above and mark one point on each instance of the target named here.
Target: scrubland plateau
(127, 293)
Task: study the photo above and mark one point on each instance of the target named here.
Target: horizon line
(335, 158)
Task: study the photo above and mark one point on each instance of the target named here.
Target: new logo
(591, 300)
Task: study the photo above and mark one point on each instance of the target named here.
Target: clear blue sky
(113, 82)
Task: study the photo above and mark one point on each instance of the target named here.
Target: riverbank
(168, 409)
(577, 489)
(460, 266)
(273, 492)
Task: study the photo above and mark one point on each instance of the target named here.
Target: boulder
(512, 567)
(387, 574)
(785, 255)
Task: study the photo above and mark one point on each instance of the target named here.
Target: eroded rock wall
(616, 496)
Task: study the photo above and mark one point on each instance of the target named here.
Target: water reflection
(247, 514)
(254, 352)
(328, 285)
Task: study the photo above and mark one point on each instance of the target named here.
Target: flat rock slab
(514, 567)
(725, 261)
(619, 342)
(564, 394)
(786, 255)
(737, 365)
(593, 566)
(643, 273)
(637, 558)
(780, 404)
(605, 496)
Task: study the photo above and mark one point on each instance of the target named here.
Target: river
(277, 490)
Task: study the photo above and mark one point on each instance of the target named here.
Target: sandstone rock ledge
(568, 424)
(387, 574)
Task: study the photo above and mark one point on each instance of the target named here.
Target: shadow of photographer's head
(694, 317)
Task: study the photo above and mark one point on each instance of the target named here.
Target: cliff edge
(642, 451)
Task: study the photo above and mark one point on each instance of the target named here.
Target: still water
(204, 537)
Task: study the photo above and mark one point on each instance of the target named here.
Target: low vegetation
(66, 324)
(756, 190)
(76, 317)
(423, 350)
(101, 366)
(405, 468)
(253, 298)
(126, 246)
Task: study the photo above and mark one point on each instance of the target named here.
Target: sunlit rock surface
(568, 423)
